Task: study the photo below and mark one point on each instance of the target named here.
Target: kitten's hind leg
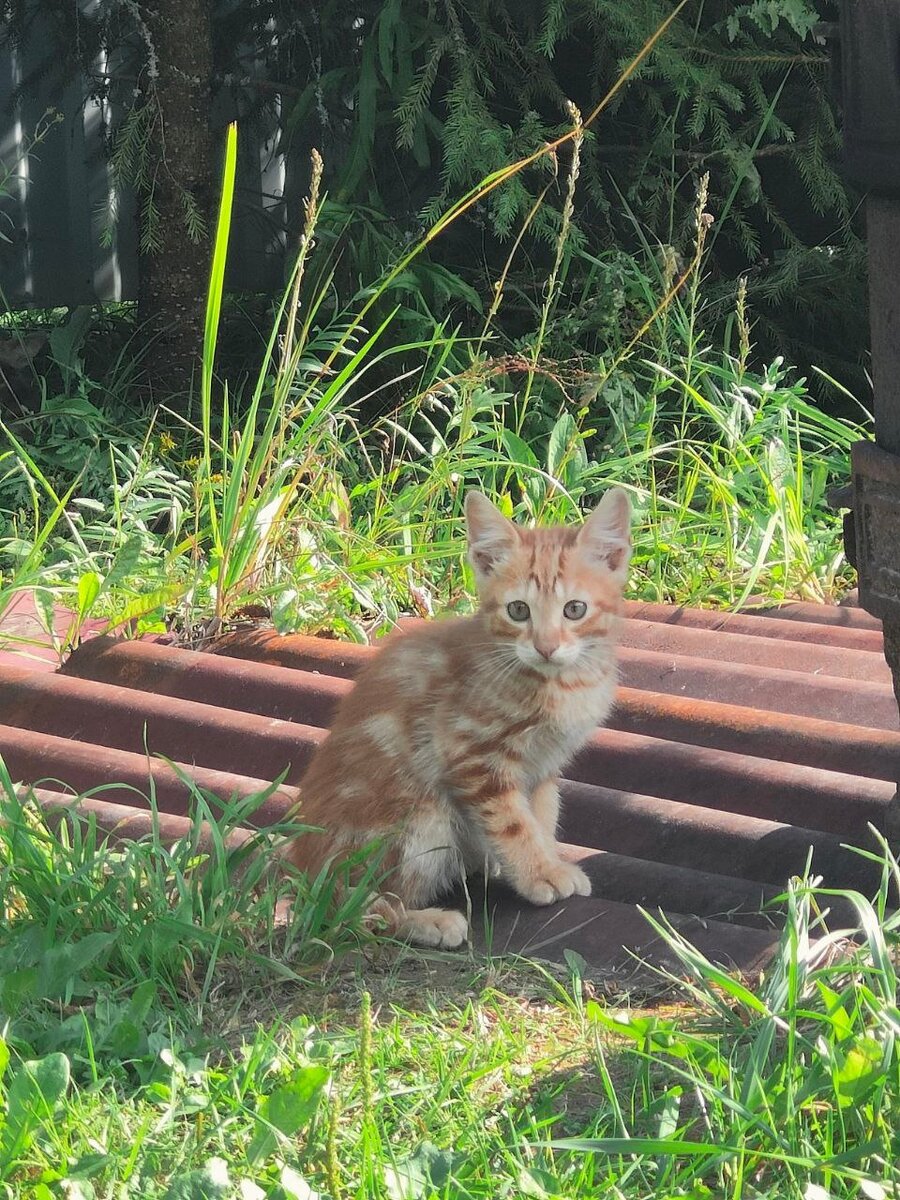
(444, 928)
(430, 864)
(438, 928)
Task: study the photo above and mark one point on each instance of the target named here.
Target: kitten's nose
(546, 649)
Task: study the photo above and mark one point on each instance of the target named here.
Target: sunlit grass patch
(164, 1036)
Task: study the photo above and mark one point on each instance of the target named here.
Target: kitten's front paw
(557, 882)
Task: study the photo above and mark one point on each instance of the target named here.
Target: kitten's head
(552, 593)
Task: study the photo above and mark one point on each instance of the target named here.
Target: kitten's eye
(518, 610)
(575, 610)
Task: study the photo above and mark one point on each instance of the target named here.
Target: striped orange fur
(450, 745)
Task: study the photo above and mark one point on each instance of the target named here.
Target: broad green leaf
(33, 1094)
(860, 1071)
(66, 340)
(15, 988)
(566, 456)
(287, 1110)
(210, 1182)
(295, 1186)
(89, 1166)
(577, 964)
(125, 563)
(670, 1110)
(518, 449)
(389, 19)
(505, 505)
(535, 1183)
(841, 1021)
(418, 1177)
(142, 605)
(63, 964)
(142, 1001)
(124, 1039)
(365, 107)
(88, 591)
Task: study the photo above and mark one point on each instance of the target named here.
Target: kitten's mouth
(552, 668)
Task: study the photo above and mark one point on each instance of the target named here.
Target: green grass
(163, 1035)
(330, 488)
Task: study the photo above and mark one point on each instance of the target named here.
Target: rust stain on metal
(738, 743)
(771, 689)
(777, 626)
(127, 777)
(833, 615)
(23, 636)
(835, 745)
(745, 650)
(126, 718)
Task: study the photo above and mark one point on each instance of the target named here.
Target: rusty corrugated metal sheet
(730, 755)
(25, 641)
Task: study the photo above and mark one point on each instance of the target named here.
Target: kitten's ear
(606, 534)
(492, 538)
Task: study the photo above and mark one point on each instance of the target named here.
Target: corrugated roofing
(737, 743)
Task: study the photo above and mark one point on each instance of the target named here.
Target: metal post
(883, 237)
(870, 84)
(883, 228)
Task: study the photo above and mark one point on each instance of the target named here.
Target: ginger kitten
(451, 742)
